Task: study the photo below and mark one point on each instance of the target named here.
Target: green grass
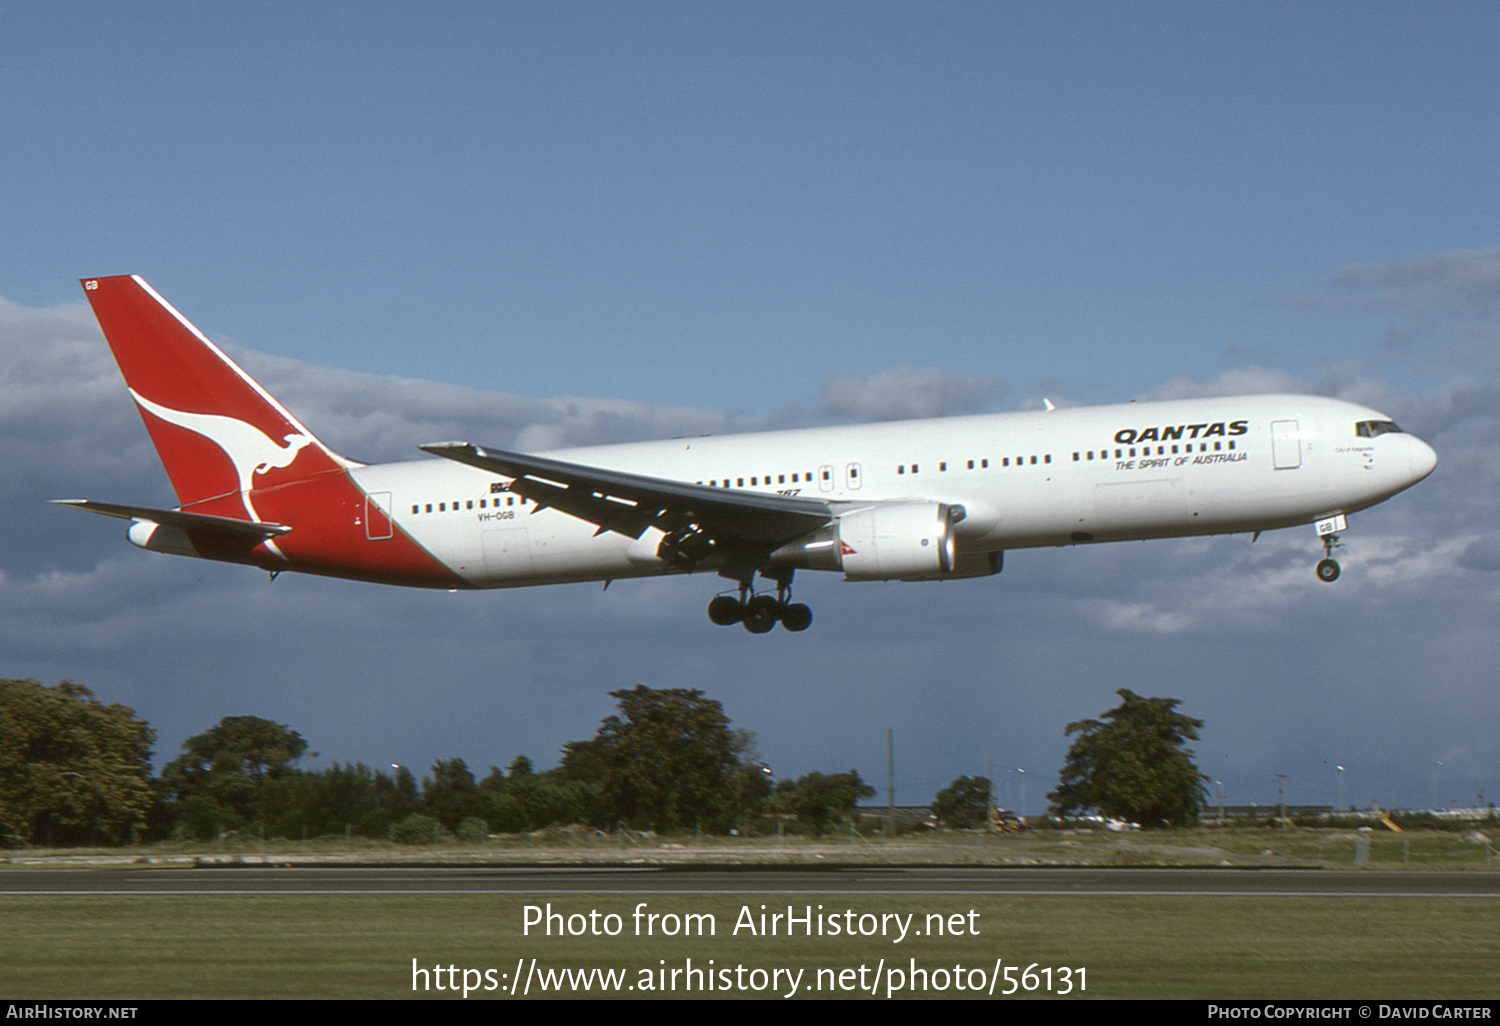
(321, 946)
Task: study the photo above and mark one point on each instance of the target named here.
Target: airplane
(915, 500)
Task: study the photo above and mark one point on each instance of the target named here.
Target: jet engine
(889, 541)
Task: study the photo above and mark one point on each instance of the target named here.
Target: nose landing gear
(1328, 568)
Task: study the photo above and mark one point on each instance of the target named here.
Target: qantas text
(1130, 436)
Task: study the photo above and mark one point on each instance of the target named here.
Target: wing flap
(628, 504)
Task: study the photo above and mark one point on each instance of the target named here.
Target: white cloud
(1141, 616)
(905, 393)
(1240, 381)
(1451, 288)
(373, 418)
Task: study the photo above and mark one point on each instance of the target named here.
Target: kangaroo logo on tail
(194, 388)
(251, 450)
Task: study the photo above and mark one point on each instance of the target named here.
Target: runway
(349, 880)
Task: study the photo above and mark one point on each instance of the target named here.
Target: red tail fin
(218, 433)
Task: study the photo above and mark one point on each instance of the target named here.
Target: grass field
(1144, 946)
(245, 946)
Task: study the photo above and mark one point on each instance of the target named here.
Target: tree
(530, 801)
(1134, 764)
(584, 761)
(753, 784)
(72, 769)
(520, 766)
(666, 760)
(965, 803)
(225, 776)
(450, 795)
(345, 797)
(820, 799)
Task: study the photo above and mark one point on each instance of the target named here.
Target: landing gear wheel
(761, 614)
(724, 610)
(796, 617)
(1328, 570)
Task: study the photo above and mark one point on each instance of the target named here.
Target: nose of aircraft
(1422, 457)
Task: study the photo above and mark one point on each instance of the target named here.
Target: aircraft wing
(200, 522)
(628, 503)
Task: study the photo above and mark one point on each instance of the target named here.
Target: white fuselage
(1055, 477)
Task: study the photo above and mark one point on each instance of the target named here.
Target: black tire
(796, 617)
(761, 614)
(1328, 571)
(725, 610)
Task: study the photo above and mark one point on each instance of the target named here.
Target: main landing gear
(760, 613)
(1328, 567)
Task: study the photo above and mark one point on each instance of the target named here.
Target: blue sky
(552, 224)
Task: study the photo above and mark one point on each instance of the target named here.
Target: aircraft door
(1286, 445)
(377, 521)
(825, 479)
(852, 475)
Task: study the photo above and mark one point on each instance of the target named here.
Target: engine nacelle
(896, 541)
(890, 541)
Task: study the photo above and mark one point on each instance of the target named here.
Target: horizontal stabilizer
(194, 522)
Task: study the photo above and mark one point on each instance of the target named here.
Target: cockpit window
(1371, 428)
